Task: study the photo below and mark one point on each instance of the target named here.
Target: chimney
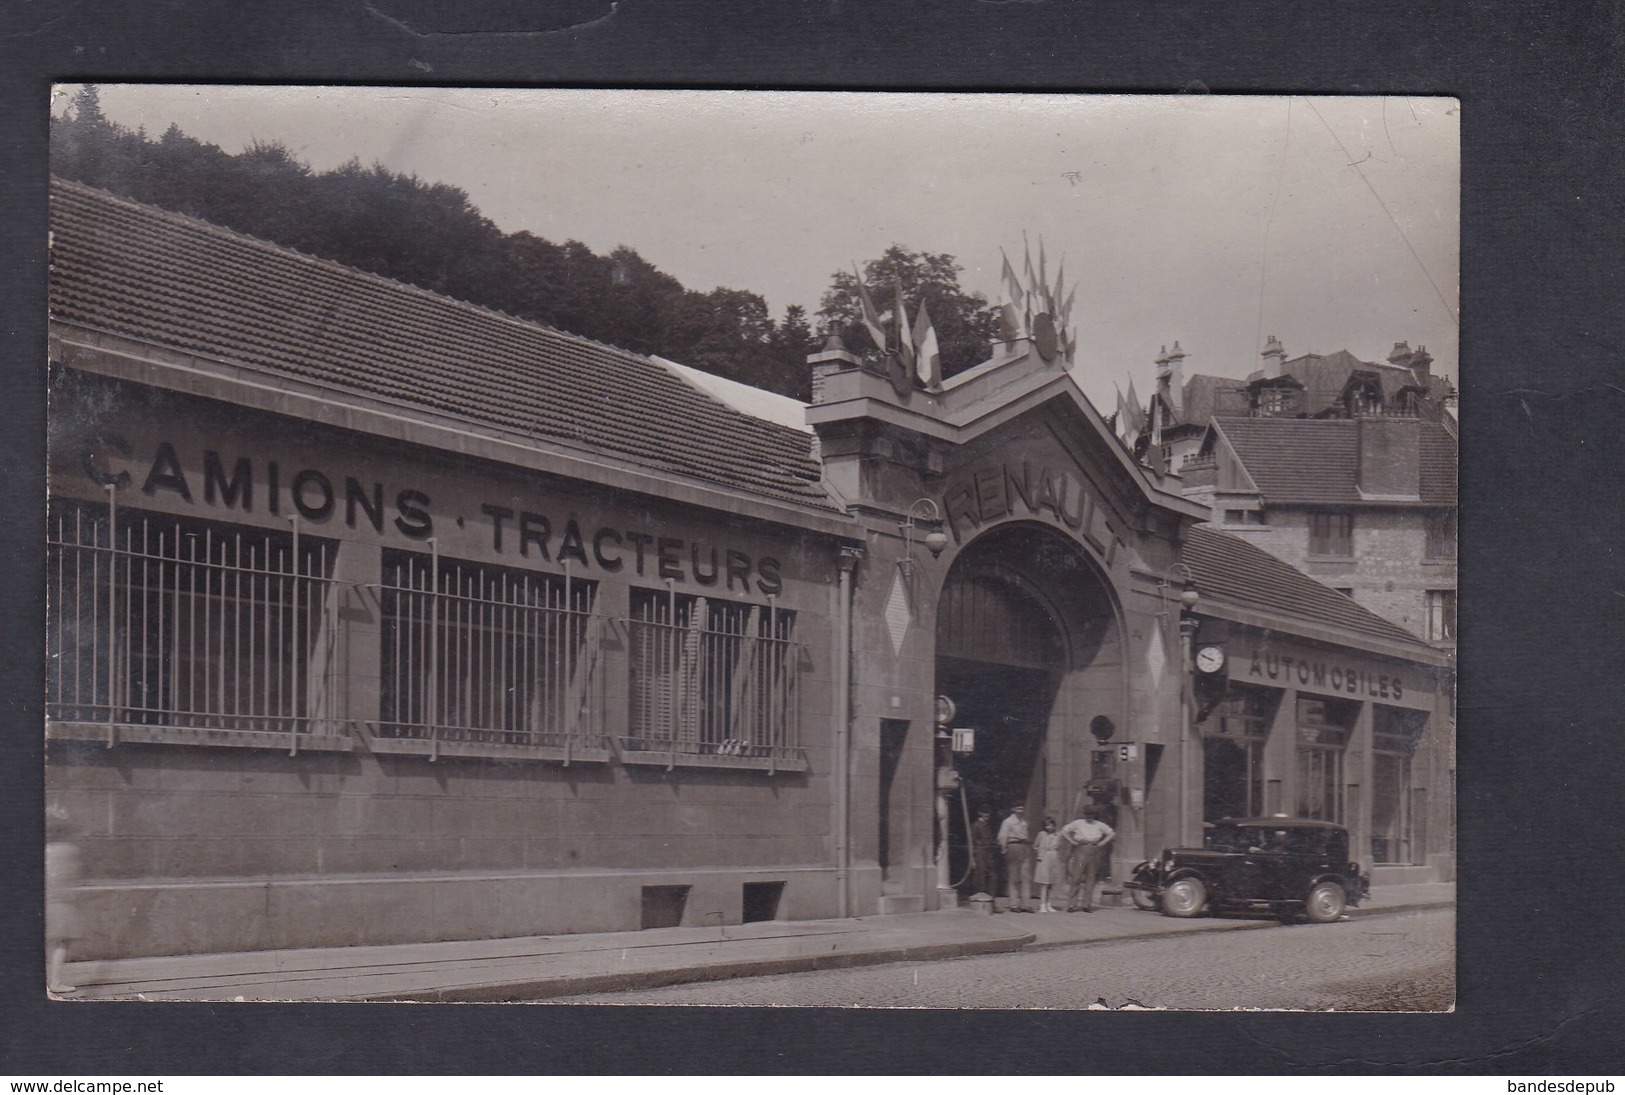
(1390, 452)
(1274, 357)
(1422, 364)
(1401, 355)
(1176, 380)
(831, 359)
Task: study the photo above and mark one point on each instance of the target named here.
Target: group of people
(1070, 857)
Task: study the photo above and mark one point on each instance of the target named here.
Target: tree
(431, 235)
(966, 325)
(87, 106)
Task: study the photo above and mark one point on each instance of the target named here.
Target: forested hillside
(429, 235)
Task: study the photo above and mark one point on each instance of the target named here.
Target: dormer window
(1275, 401)
(1364, 400)
(1274, 397)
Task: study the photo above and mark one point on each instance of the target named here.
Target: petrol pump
(1106, 761)
(948, 787)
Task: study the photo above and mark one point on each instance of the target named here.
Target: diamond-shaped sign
(1156, 659)
(898, 616)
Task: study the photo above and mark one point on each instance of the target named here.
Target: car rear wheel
(1184, 897)
(1326, 903)
(1144, 900)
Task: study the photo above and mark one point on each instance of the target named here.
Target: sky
(1217, 221)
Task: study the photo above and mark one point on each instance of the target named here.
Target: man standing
(1086, 841)
(1018, 858)
(982, 849)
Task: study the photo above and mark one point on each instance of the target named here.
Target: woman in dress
(1051, 866)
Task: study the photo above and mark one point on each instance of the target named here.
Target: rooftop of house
(1322, 378)
(128, 269)
(1309, 461)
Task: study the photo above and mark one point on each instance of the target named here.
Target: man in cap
(983, 876)
(1017, 843)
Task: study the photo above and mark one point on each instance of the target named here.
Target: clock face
(1210, 659)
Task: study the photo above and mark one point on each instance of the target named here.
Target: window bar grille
(299, 591)
(112, 610)
(570, 635)
(742, 694)
(775, 656)
(673, 652)
(432, 687)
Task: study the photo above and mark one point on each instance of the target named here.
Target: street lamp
(1188, 599)
(923, 510)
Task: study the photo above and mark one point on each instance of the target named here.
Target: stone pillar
(1358, 769)
(1281, 756)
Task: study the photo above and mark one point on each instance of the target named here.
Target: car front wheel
(1184, 897)
(1326, 903)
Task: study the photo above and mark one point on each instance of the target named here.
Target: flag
(1060, 283)
(925, 343)
(1032, 280)
(1010, 320)
(1121, 415)
(1065, 319)
(871, 314)
(1012, 285)
(1136, 414)
(1043, 280)
(905, 343)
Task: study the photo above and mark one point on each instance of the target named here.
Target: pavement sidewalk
(547, 967)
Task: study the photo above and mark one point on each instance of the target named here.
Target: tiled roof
(1228, 567)
(1206, 396)
(1315, 461)
(130, 269)
(1323, 376)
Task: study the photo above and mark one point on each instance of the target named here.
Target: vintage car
(1289, 866)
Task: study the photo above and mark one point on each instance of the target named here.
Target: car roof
(1277, 823)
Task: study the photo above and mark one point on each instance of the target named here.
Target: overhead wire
(1384, 207)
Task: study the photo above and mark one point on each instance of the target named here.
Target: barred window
(157, 621)
(1331, 534)
(712, 677)
(485, 654)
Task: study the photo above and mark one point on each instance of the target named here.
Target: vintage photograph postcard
(681, 547)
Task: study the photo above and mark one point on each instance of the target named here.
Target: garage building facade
(376, 616)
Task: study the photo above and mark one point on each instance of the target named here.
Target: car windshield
(1247, 838)
(1231, 838)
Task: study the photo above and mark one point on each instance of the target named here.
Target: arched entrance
(1028, 649)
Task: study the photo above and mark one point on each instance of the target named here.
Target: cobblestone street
(1398, 962)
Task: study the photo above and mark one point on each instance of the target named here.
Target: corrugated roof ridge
(454, 304)
(256, 243)
(798, 476)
